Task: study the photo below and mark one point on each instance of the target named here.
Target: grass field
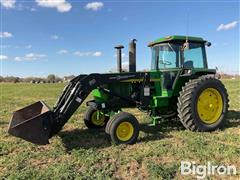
(77, 152)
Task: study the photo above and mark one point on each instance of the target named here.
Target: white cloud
(18, 58)
(23, 7)
(3, 57)
(65, 7)
(63, 51)
(5, 35)
(30, 57)
(94, 6)
(55, 37)
(225, 27)
(80, 54)
(33, 56)
(8, 3)
(60, 5)
(97, 54)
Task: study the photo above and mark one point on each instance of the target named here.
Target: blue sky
(66, 37)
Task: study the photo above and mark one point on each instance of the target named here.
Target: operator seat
(188, 64)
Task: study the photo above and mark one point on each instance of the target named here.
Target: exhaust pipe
(119, 58)
(132, 55)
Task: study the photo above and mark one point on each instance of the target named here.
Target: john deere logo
(122, 77)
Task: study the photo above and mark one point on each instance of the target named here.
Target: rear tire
(123, 128)
(203, 104)
(95, 119)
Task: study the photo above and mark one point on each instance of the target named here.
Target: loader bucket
(32, 123)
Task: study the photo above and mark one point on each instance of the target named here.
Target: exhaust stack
(119, 58)
(132, 56)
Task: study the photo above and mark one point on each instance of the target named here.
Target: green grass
(79, 153)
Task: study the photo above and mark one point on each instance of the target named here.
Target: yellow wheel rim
(98, 118)
(125, 131)
(210, 105)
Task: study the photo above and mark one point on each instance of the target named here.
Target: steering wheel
(166, 62)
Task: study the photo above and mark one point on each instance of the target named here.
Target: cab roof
(176, 38)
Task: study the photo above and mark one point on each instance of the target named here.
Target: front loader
(179, 84)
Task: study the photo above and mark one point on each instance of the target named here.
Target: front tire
(203, 104)
(123, 128)
(95, 119)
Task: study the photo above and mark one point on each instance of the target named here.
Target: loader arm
(77, 91)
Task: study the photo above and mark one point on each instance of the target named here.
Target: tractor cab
(173, 55)
(178, 52)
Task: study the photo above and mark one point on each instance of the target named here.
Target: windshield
(165, 56)
(195, 56)
(169, 55)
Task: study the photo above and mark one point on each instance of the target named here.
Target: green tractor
(179, 84)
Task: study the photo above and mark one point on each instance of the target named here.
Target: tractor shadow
(84, 138)
(233, 119)
(159, 131)
(97, 138)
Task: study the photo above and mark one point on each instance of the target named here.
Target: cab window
(165, 56)
(194, 56)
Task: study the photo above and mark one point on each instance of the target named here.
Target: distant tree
(58, 79)
(68, 78)
(28, 79)
(38, 79)
(1, 79)
(11, 79)
(16, 80)
(51, 78)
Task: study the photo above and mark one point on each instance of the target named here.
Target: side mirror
(208, 44)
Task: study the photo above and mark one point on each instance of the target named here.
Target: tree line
(51, 78)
